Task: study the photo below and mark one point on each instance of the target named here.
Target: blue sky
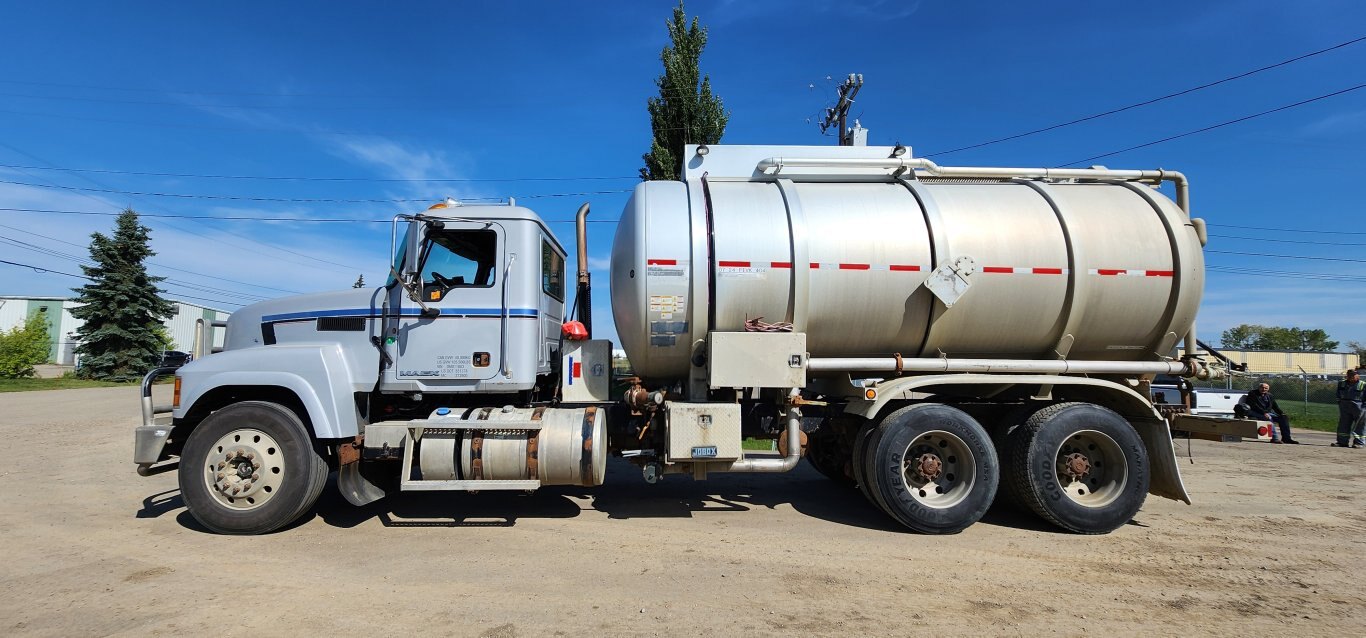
(513, 90)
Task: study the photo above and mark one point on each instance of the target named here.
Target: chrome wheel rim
(939, 469)
(1090, 468)
(244, 469)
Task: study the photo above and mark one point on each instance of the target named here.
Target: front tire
(1080, 466)
(250, 468)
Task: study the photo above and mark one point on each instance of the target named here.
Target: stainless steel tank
(1107, 270)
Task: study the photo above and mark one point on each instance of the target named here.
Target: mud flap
(1165, 475)
(355, 488)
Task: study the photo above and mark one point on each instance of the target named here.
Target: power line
(1292, 241)
(1284, 274)
(87, 262)
(296, 200)
(1341, 259)
(40, 269)
(1219, 125)
(215, 278)
(296, 178)
(1150, 101)
(280, 94)
(242, 217)
(1289, 230)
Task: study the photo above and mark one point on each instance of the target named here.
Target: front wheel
(1080, 466)
(250, 468)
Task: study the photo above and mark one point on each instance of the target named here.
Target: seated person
(1260, 405)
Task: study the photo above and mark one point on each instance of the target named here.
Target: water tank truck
(927, 335)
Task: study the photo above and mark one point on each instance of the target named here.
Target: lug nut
(227, 457)
(246, 485)
(221, 475)
(256, 477)
(236, 490)
(222, 464)
(250, 456)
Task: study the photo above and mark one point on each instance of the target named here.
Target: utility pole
(838, 114)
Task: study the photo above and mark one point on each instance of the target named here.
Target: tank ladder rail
(418, 427)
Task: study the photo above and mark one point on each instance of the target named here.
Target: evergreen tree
(122, 306)
(685, 112)
(360, 282)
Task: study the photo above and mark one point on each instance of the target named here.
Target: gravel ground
(1272, 546)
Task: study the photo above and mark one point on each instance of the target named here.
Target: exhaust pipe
(583, 296)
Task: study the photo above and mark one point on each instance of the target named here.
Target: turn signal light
(870, 394)
(175, 401)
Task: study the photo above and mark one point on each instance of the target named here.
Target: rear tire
(1080, 466)
(250, 468)
(932, 468)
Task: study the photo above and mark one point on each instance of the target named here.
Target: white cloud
(1344, 123)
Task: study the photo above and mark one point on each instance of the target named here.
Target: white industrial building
(61, 326)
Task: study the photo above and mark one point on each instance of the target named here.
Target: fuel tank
(1099, 270)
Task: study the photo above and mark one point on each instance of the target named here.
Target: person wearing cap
(1259, 404)
(1351, 392)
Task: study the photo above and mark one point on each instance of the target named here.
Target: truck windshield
(460, 258)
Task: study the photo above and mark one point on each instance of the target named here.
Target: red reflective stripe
(733, 264)
(998, 269)
(782, 264)
(578, 370)
(905, 268)
(1161, 273)
(661, 262)
(1104, 271)
(854, 266)
(815, 265)
(1048, 271)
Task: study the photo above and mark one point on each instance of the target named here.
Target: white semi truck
(953, 332)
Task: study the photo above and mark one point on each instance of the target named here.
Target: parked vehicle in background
(174, 359)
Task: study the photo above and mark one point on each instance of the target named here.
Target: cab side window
(460, 259)
(552, 271)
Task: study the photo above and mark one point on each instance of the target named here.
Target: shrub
(23, 347)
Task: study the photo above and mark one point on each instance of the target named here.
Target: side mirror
(412, 248)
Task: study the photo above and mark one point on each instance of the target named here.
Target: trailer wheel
(1080, 466)
(823, 453)
(250, 468)
(860, 461)
(933, 468)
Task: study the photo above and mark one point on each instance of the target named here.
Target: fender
(317, 374)
(1151, 427)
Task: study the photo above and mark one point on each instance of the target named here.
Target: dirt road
(1273, 546)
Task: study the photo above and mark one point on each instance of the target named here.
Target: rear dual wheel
(1079, 466)
(929, 466)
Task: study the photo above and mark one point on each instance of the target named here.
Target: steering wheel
(446, 282)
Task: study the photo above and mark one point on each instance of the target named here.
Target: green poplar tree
(122, 306)
(685, 112)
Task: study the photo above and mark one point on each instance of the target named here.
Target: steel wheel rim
(244, 469)
(939, 469)
(1106, 470)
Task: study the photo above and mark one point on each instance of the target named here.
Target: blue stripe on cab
(405, 312)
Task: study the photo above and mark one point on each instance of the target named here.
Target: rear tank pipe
(794, 444)
(583, 295)
(894, 364)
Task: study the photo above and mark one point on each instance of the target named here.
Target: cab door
(460, 268)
